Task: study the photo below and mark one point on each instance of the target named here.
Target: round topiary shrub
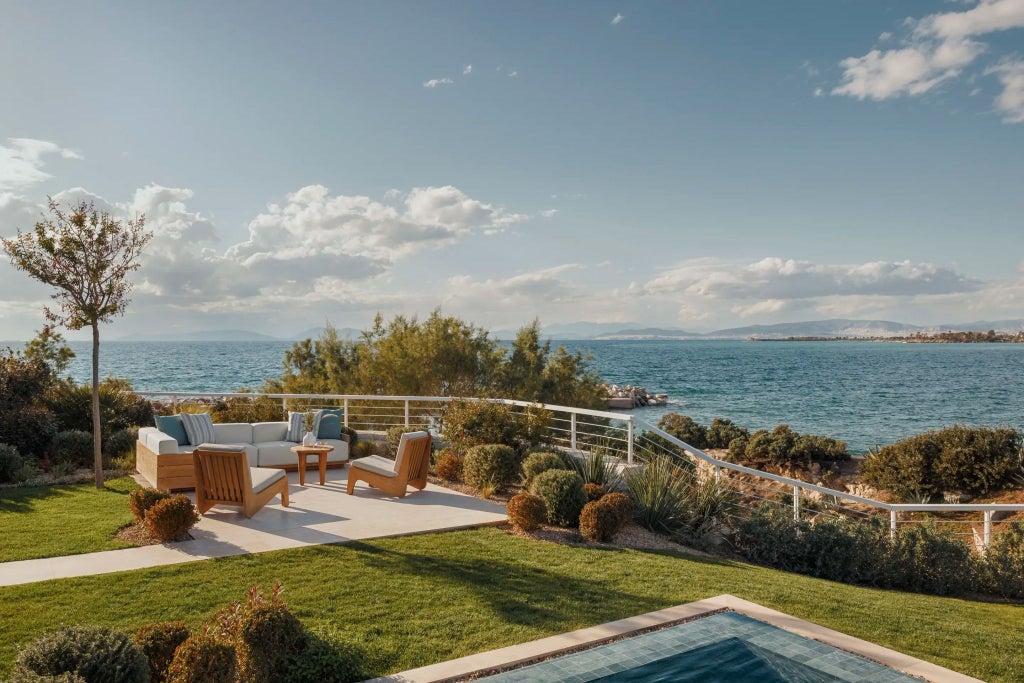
(120, 443)
(202, 659)
(10, 463)
(158, 643)
(622, 504)
(171, 518)
(526, 511)
(594, 491)
(490, 465)
(267, 634)
(541, 461)
(95, 653)
(141, 500)
(74, 446)
(563, 496)
(599, 522)
(325, 657)
(448, 465)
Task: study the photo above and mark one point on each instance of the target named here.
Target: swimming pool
(726, 647)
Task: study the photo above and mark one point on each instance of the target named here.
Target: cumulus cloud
(617, 19)
(936, 49)
(22, 161)
(467, 69)
(1010, 101)
(434, 82)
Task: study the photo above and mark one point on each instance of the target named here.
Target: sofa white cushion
(275, 454)
(269, 431)
(233, 432)
(262, 477)
(340, 452)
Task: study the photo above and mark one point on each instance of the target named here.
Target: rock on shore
(629, 396)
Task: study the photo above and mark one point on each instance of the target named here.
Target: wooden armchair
(408, 469)
(223, 477)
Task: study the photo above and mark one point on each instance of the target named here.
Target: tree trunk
(97, 443)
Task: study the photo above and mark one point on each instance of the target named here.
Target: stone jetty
(629, 397)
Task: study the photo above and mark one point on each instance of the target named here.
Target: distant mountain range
(835, 327)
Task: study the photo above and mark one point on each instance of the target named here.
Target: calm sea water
(867, 393)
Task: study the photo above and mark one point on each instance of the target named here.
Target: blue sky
(691, 164)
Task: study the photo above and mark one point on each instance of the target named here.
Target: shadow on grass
(24, 498)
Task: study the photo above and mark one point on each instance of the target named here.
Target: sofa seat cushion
(269, 431)
(263, 477)
(275, 453)
(233, 432)
(340, 452)
(376, 464)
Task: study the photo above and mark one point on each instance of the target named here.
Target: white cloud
(937, 49)
(434, 82)
(467, 69)
(884, 36)
(1011, 100)
(21, 162)
(513, 74)
(818, 92)
(617, 19)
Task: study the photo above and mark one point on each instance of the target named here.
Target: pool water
(722, 648)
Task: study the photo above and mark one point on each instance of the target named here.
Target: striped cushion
(296, 427)
(199, 428)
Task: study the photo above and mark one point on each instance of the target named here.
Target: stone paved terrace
(317, 515)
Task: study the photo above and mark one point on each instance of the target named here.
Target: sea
(865, 393)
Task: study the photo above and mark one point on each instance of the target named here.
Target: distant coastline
(990, 337)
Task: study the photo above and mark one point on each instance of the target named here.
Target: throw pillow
(331, 430)
(199, 428)
(172, 426)
(296, 427)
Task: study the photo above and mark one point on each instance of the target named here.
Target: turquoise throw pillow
(330, 424)
(171, 425)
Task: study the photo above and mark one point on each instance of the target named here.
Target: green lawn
(422, 599)
(47, 521)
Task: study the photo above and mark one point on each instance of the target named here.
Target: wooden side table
(319, 450)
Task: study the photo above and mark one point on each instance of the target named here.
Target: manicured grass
(422, 599)
(47, 521)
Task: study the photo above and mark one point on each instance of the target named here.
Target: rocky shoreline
(630, 396)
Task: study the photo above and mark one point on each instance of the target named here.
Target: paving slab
(317, 515)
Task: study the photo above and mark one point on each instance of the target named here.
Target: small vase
(309, 439)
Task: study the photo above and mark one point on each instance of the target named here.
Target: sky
(684, 164)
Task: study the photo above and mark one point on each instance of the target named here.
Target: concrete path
(317, 515)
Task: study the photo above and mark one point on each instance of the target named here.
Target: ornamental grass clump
(171, 518)
(141, 500)
(96, 654)
(596, 468)
(541, 461)
(158, 643)
(526, 511)
(563, 496)
(492, 466)
(658, 490)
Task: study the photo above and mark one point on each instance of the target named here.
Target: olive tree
(86, 256)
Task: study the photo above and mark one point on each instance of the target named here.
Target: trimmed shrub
(72, 445)
(394, 437)
(541, 461)
(364, 449)
(171, 518)
(202, 659)
(685, 429)
(563, 496)
(622, 504)
(594, 491)
(353, 436)
(158, 643)
(121, 442)
(927, 559)
(28, 429)
(526, 511)
(599, 522)
(971, 460)
(10, 463)
(448, 466)
(491, 465)
(268, 634)
(723, 432)
(1002, 567)
(141, 500)
(474, 423)
(325, 657)
(658, 490)
(95, 653)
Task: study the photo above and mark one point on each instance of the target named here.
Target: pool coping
(545, 648)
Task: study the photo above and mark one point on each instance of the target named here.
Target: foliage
(49, 348)
(594, 491)
(29, 677)
(622, 504)
(541, 461)
(493, 464)
(353, 436)
(1002, 567)
(141, 500)
(158, 642)
(601, 519)
(963, 459)
(784, 447)
(658, 489)
(72, 445)
(706, 503)
(325, 657)
(121, 443)
(171, 518)
(96, 653)
(22, 381)
(10, 463)
(365, 449)
(448, 466)
(685, 429)
(722, 432)
(120, 407)
(202, 659)
(738, 448)
(268, 634)
(29, 429)
(472, 423)
(563, 496)
(815, 447)
(526, 511)
(595, 468)
(394, 436)
(246, 409)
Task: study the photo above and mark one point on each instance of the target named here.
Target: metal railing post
(344, 412)
(572, 431)
(407, 413)
(718, 473)
(987, 538)
(629, 440)
(892, 523)
(796, 503)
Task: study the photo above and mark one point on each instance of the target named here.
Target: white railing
(580, 429)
